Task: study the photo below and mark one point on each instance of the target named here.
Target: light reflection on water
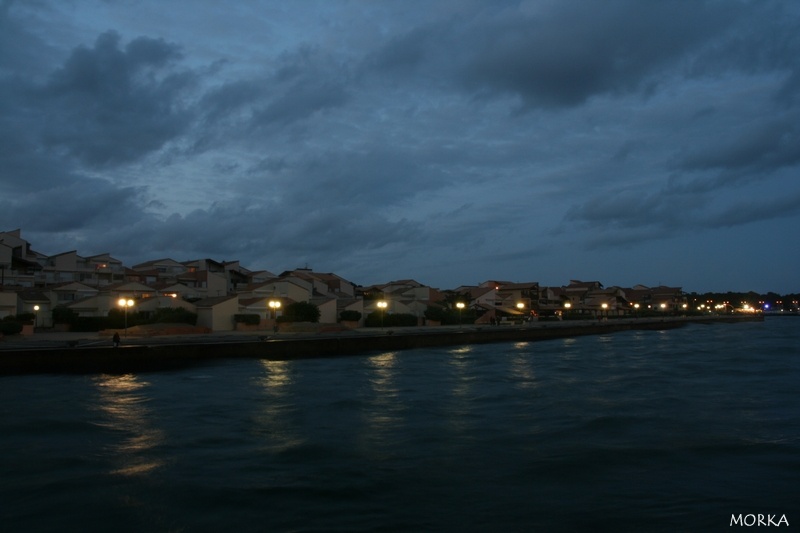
(522, 366)
(383, 412)
(272, 416)
(461, 364)
(123, 405)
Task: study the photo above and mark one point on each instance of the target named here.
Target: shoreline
(63, 354)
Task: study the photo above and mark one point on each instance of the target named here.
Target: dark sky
(630, 141)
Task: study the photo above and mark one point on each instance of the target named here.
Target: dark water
(639, 431)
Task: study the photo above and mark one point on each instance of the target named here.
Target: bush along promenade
(164, 353)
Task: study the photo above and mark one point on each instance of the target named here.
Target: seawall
(167, 355)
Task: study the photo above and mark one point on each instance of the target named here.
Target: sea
(689, 429)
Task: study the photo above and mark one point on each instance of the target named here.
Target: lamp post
(460, 306)
(35, 316)
(274, 305)
(382, 305)
(567, 307)
(605, 309)
(125, 304)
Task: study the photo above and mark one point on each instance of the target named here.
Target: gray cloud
(109, 105)
(578, 50)
(75, 204)
(764, 148)
(439, 141)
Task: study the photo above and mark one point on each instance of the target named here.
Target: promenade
(54, 352)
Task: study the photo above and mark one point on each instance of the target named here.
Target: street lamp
(460, 306)
(125, 304)
(382, 305)
(35, 316)
(605, 308)
(275, 305)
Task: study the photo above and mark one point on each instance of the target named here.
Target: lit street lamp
(605, 309)
(274, 305)
(460, 306)
(125, 304)
(35, 316)
(521, 306)
(382, 305)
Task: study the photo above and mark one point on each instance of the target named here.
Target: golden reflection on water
(460, 404)
(384, 413)
(124, 407)
(522, 367)
(277, 377)
(382, 370)
(382, 379)
(272, 418)
(461, 363)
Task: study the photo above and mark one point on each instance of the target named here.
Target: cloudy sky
(449, 141)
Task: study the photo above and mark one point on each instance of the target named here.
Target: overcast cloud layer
(624, 141)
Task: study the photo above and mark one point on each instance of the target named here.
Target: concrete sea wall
(167, 355)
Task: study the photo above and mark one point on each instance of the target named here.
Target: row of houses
(32, 282)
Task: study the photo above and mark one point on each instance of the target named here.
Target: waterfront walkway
(87, 353)
(45, 339)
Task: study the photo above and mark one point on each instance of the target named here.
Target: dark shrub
(249, 319)
(26, 318)
(10, 327)
(173, 315)
(64, 315)
(350, 315)
(377, 319)
(450, 316)
(435, 313)
(117, 320)
(300, 312)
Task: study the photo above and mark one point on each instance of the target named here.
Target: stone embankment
(143, 354)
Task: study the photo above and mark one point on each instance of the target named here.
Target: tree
(300, 312)
(350, 315)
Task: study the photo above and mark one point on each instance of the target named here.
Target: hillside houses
(216, 291)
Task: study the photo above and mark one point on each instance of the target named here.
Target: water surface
(632, 431)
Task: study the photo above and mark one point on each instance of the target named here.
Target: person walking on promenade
(115, 340)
